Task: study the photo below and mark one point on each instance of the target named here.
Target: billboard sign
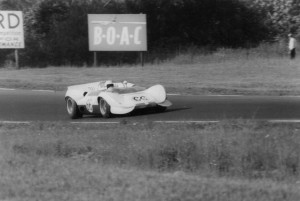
(11, 30)
(117, 32)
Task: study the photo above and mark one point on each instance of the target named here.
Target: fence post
(17, 58)
(95, 59)
(142, 58)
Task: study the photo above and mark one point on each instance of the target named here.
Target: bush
(56, 30)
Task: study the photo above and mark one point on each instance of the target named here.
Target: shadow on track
(149, 111)
(138, 112)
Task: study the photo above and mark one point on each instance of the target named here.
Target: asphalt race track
(28, 105)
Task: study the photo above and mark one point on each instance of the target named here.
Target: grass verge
(224, 72)
(233, 160)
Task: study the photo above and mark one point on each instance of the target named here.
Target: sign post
(17, 58)
(117, 32)
(142, 58)
(95, 59)
(11, 32)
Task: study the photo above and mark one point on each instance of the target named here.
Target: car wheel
(104, 108)
(72, 109)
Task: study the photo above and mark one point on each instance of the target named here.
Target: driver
(127, 84)
(109, 85)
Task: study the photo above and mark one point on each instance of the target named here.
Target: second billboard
(117, 32)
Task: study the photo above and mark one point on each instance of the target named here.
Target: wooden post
(17, 58)
(95, 59)
(142, 58)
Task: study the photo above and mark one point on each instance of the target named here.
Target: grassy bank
(224, 72)
(233, 160)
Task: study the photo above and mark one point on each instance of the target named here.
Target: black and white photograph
(149, 100)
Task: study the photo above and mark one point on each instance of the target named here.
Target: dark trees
(57, 31)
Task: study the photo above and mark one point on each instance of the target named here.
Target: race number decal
(89, 105)
(140, 98)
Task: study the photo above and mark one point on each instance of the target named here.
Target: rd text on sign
(11, 30)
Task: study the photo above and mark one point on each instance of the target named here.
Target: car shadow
(149, 111)
(139, 112)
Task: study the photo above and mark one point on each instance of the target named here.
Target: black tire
(160, 108)
(104, 108)
(72, 109)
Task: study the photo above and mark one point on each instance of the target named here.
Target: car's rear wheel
(72, 109)
(104, 108)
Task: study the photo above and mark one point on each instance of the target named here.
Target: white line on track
(15, 122)
(167, 122)
(184, 122)
(290, 96)
(43, 90)
(173, 94)
(284, 121)
(7, 89)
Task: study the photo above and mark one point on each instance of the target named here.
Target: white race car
(107, 98)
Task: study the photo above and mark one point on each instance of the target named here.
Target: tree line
(56, 31)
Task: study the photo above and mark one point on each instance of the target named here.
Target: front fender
(157, 92)
(74, 94)
(166, 103)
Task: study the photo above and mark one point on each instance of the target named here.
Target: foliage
(56, 30)
(23, 5)
(282, 15)
(216, 23)
(60, 28)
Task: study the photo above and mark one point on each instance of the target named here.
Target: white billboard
(11, 30)
(117, 32)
